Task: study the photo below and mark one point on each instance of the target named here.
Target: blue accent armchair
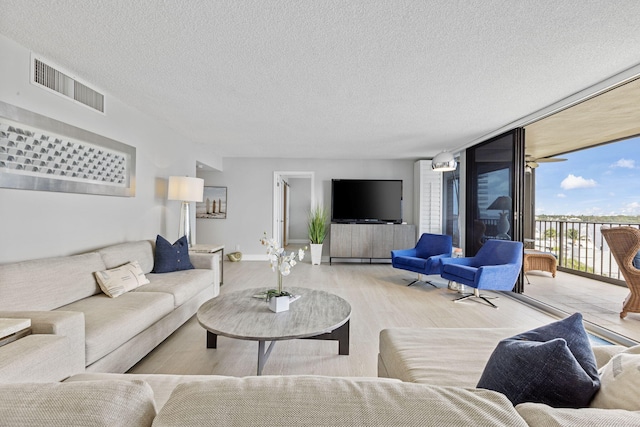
(425, 257)
(495, 267)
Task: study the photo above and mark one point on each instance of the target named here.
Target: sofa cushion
(620, 382)
(110, 322)
(552, 364)
(331, 401)
(122, 253)
(37, 358)
(604, 353)
(164, 384)
(119, 280)
(95, 403)
(49, 283)
(181, 284)
(538, 414)
(171, 257)
(439, 356)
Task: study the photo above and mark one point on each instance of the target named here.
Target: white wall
(250, 195)
(38, 224)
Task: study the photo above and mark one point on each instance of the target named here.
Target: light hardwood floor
(599, 302)
(379, 298)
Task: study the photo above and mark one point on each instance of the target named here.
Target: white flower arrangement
(280, 262)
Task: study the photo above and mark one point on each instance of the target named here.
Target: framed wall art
(214, 203)
(40, 153)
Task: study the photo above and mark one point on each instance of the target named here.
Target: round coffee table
(315, 315)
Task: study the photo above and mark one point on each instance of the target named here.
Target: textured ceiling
(332, 79)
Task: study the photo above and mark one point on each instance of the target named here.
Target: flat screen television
(366, 200)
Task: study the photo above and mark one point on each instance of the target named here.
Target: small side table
(211, 249)
(536, 260)
(13, 329)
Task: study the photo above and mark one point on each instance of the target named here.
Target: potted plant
(281, 263)
(317, 232)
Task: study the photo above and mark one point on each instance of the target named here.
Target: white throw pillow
(125, 278)
(620, 382)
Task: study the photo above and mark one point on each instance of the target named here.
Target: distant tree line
(615, 219)
(572, 233)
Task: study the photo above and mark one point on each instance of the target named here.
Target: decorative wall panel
(39, 153)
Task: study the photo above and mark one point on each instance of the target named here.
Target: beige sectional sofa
(75, 326)
(457, 357)
(196, 400)
(174, 400)
(426, 376)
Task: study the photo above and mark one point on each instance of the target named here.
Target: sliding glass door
(494, 196)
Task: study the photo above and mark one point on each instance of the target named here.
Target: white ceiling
(612, 116)
(368, 79)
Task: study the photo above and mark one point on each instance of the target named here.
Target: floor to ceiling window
(493, 191)
(572, 199)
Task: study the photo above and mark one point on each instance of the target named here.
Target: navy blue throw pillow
(168, 257)
(553, 365)
(636, 260)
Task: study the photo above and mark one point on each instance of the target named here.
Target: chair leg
(463, 297)
(415, 281)
(486, 299)
(419, 279)
(476, 294)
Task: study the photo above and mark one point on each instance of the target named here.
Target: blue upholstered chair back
(433, 244)
(498, 252)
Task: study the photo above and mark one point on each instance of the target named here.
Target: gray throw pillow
(553, 364)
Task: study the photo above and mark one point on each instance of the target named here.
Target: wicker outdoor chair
(624, 243)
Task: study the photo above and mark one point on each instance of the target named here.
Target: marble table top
(240, 315)
(10, 326)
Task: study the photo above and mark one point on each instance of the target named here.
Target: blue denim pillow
(636, 261)
(168, 257)
(553, 364)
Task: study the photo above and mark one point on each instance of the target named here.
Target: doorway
(288, 213)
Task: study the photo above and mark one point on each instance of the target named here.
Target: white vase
(503, 225)
(316, 253)
(278, 304)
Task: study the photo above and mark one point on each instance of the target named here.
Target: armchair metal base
(476, 294)
(419, 279)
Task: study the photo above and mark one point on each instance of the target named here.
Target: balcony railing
(580, 248)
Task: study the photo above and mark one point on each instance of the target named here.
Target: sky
(603, 180)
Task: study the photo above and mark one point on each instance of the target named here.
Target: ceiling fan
(532, 162)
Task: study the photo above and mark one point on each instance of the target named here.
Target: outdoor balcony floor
(599, 302)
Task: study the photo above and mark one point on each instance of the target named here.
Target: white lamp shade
(444, 162)
(186, 189)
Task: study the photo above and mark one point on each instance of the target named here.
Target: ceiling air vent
(59, 82)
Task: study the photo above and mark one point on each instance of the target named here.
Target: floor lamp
(187, 190)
